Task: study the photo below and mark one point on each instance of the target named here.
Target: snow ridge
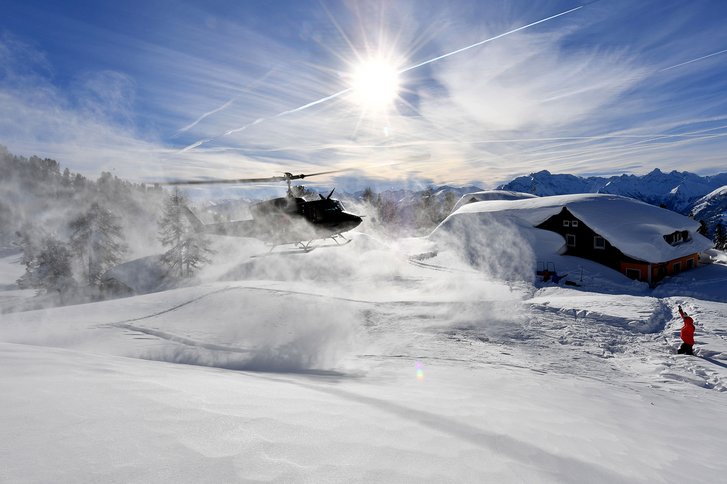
(678, 191)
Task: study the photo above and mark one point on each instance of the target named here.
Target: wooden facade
(583, 241)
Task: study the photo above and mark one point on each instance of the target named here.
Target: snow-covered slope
(12, 298)
(359, 364)
(544, 183)
(712, 208)
(676, 190)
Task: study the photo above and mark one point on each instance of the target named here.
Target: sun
(374, 84)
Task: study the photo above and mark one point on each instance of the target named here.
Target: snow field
(404, 371)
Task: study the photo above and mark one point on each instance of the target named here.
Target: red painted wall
(659, 271)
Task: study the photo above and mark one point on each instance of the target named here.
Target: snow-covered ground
(361, 364)
(11, 297)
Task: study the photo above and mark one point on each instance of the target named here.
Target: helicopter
(283, 220)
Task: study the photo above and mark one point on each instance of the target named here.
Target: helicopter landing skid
(335, 238)
(305, 247)
(298, 249)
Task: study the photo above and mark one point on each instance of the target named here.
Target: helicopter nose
(352, 221)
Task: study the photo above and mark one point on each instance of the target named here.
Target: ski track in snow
(181, 339)
(588, 336)
(587, 340)
(165, 311)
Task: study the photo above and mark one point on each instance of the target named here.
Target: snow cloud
(252, 331)
(497, 247)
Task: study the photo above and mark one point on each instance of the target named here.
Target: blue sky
(161, 89)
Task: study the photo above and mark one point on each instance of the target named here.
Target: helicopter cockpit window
(333, 206)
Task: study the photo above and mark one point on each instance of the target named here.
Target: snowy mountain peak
(676, 190)
(712, 208)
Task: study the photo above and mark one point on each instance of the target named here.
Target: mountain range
(704, 197)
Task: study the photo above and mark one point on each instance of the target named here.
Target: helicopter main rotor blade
(285, 177)
(218, 181)
(296, 177)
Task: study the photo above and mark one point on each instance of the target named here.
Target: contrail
(247, 88)
(243, 128)
(306, 106)
(693, 60)
(490, 39)
(209, 113)
(260, 120)
(196, 144)
(340, 93)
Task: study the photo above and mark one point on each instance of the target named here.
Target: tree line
(72, 230)
(418, 215)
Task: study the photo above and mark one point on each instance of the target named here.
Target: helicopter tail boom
(241, 228)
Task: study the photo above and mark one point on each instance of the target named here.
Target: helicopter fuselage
(283, 220)
(289, 220)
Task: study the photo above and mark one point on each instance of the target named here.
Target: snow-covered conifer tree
(97, 242)
(28, 238)
(703, 229)
(720, 237)
(188, 249)
(50, 268)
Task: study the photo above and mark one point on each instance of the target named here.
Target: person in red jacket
(687, 334)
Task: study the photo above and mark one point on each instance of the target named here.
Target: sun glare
(375, 84)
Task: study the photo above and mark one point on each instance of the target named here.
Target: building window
(566, 223)
(634, 274)
(599, 242)
(677, 237)
(677, 267)
(690, 263)
(570, 240)
(574, 223)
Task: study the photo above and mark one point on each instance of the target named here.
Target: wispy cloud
(401, 71)
(488, 92)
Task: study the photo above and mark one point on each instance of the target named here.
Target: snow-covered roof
(636, 228)
(487, 195)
